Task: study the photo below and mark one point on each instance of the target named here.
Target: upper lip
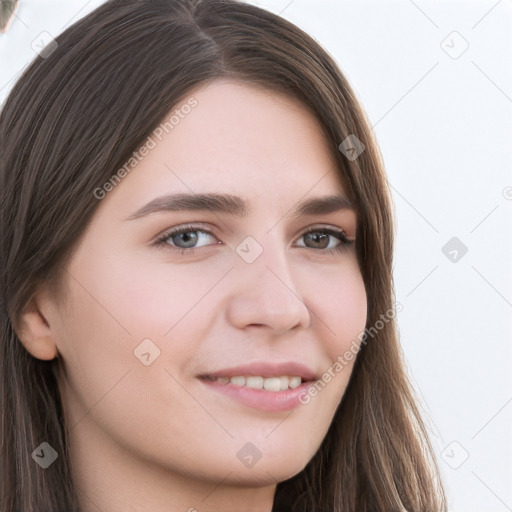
(266, 370)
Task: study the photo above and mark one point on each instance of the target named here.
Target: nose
(266, 294)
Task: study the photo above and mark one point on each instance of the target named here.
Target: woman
(198, 306)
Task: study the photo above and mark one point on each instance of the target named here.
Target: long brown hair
(75, 117)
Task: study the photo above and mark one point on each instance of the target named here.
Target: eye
(321, 239)
(185, 239)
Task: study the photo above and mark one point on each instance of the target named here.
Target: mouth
(267, 387)
(274, 384)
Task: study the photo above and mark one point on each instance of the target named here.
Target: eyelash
(161, 241)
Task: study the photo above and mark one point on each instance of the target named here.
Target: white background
(444, 126)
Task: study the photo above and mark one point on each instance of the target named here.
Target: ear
(34, 331)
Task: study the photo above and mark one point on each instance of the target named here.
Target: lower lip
(260, 398)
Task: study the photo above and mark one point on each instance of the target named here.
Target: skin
(155, 437)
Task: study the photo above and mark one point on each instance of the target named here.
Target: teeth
(268, 383)
(238, 381)
(294, 382)
(254, 382)
(272, 384)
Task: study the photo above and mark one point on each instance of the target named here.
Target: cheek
(339, 303)
(94, 351)
(162, 298)
(143, 293)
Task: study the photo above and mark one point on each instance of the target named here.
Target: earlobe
(34, 332)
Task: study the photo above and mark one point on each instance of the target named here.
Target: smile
(273, 384)
(263, 386)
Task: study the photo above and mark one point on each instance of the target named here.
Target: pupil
(191, 239)
(316, 236)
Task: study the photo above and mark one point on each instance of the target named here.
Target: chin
(272, 468)
(263, 476)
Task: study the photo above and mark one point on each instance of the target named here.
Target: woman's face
(151, 317)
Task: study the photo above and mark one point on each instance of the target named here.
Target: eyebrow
(235, 205)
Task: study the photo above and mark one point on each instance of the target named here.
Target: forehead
(238, 139)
